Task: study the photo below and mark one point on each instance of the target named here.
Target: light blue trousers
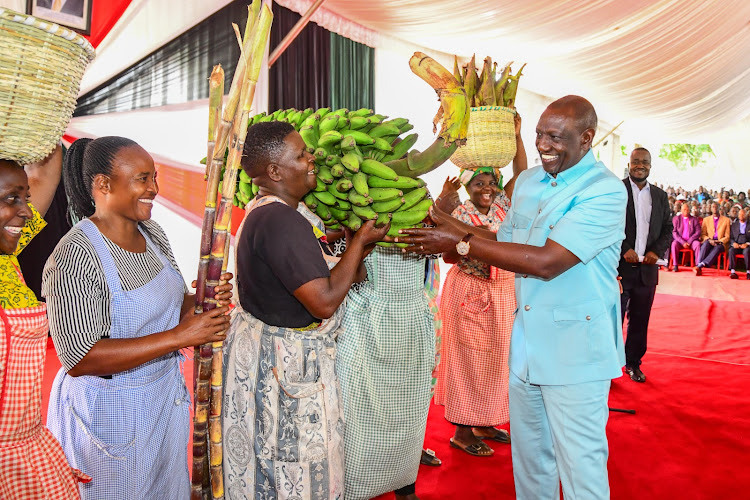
(559, 436)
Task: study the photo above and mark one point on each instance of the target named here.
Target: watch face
(462, 247)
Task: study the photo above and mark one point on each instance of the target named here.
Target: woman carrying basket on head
(119, 313)
(32, 463)
(477, 307)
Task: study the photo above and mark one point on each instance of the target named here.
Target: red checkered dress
(476, 307)
(32, 463)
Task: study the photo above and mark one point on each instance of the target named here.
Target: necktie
(57, 5)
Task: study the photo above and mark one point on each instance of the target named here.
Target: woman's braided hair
(84, 160)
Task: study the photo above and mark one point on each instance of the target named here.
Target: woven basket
(491, 141)
(41, 65)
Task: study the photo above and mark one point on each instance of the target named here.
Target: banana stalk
(454, 103)
(419, 163)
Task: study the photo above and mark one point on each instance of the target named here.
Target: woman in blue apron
(119, 314)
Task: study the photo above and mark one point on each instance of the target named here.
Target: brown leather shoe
(697, 271)
(635, 374)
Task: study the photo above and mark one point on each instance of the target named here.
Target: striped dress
(386, 353)
(476, 306)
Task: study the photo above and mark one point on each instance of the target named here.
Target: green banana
(330, 139)
(360, 138)
(388, 206)
(357, 122)
(351, 162)
(332, 160)
(343, 123)
(385, 194)
(373, 167)
(323, 112)
(361, 112)
(337, 170)
(389, 245)
(320, 186)
(423, 205)
(408, 217)
(383, 145)
(337, 194)
(324, 174)
(328, 123)
(348, 143)
(311, 201)
(357, 199)
(310, 120)
(246, 189)
(322, 211)
(397, 122)
(365, 213)
(401, 183)
(343, 185)
(353, 222)
(325, 197)
(394, 229)
(341, 112)
(335, 227)
(401, 147)
(383, 219)
(405, 128)
(359, 181)
(244, 177)
(308, 135)
(384, 129)
(306, 114)
(256, 188)
(343, 204)
(412, 198)
(338, 214)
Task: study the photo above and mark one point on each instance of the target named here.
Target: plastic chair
(681, 258)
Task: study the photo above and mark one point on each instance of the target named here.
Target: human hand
(223, 291)
(686, 245)
(631, 257)
(650, 258)
(369, 233)
(517, 123)
(197, 329)
(712, 242)
(736, 245)
(442, 238)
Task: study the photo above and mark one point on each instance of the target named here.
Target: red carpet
(690, 437)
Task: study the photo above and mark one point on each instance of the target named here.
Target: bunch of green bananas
(353, 183)
(485, 88)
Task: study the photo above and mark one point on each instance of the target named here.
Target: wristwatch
(462, 247)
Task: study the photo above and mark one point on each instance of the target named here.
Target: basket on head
(41, 65)
(491, 140)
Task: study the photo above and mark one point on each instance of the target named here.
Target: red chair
(722, 266)
(736, 256)
(681, 258)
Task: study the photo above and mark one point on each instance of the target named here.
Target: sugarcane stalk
(234, 128)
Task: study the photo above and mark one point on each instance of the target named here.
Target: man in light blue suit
(562, 237)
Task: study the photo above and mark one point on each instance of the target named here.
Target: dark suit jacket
(659, 238)
(734, 233)
(695, 229)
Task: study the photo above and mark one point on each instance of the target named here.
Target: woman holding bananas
(477, 307)
(282, 422)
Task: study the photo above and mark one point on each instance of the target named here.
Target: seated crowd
(710, 227)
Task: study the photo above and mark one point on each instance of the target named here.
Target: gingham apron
(386, 352)
(130, 432)
(477, 314)
(282, 427)
(32, 463)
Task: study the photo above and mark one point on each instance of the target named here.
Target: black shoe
(676, 269)
(747, 276)
(635, 374)
(733, 276)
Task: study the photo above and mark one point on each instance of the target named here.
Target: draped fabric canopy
(678, 69)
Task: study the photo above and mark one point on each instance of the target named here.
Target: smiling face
(482, 190)
(296, 167)
(715, 209)
(131, 188)
(640, 165)
(559, 139)
(14, 210)
(685, 210)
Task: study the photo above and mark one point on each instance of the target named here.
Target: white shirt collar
(635, 187)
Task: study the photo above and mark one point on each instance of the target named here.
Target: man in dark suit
(739, 243)
(648, 231)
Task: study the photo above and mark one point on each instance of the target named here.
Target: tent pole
(296, 30)
(607, 134)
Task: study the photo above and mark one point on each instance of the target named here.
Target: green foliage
(624, 150)
(686, 155)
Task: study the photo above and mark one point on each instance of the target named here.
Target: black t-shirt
(277, 253)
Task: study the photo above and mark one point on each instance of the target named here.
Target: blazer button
(526, 276)
(551, 226)
(588, 318)
(526, 308)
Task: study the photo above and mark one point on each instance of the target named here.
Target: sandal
(479, 449)
(501, 436)
(429, 458)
